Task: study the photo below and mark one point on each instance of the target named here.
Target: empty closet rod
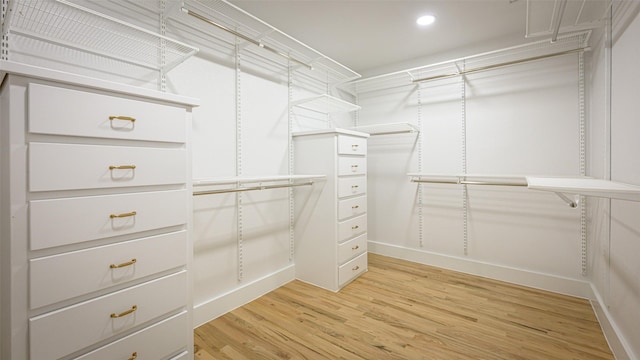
(467, 182)
(504, 64)
(246, 38)
(252, 188)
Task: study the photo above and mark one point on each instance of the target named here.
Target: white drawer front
(352, 207)
(62, 332)
(351, 228)
(352, 145)
(155, 342)
(352, 186)
(65, 221)
(63, 276)
(73, 166)
(349, 165)
(352, 248)
(352, 269)
(60, 111)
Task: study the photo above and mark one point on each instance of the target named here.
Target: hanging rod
(251, 188)
(504, 64)
(467, 182)
(246, 38)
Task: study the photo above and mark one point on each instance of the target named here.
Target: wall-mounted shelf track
(72, 26)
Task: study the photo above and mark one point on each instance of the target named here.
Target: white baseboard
(536, 280)
(209, 310)
(618, 345)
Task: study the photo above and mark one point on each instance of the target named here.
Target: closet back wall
(518, 120)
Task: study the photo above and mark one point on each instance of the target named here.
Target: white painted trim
(548, 282)
(618, 344)
(209, 310)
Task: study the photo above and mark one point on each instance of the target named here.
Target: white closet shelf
(586, 187)
(325, 104)
(72, 26)
(255, 179)
(388, 129)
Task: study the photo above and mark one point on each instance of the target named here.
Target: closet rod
(240, 189)
(467, 182)
(504, 64)
(246, 38)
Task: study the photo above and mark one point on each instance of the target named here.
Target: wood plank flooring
(404, 310)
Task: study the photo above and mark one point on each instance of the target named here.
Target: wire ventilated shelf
(66, 24)
(325, 104)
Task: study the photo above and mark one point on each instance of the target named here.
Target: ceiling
(376, 36)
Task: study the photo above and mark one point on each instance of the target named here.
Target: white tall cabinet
(331, 217)
(95, 210)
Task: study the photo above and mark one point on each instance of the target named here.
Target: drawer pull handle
(355, 247)
(114, 216)
(134, 356)
(125, 118)
(124, 313)
(354, 166)
(128, 263)
(355, 227)
(354, 147)
(355, 206)
(354, 186)
(121, 167)
(356, 268)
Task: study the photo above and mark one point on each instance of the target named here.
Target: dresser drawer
(351, 145)
(65, 221)
(352, 269)
(60, 111)
(73, 166)
(73, 328)
(350, 165)
(352, 207)
(352, 186)
(64, 276)
(352, 248)
(158, 341)
(353, 227)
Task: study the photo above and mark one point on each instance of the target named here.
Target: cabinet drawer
(353, 227)
(349, 165)
(73, 166)
(62, 332)
(352, 269)
(352, 207)
(158, 341)
(352, 248)
(60, 111)
(352, 186)
(352, 145)
(65, 221)
(59, 277)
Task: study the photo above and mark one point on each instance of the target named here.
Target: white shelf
(66, 24)
(254, 179)
(330, 131)
(586, 187)
(325, 104)
(388, 129)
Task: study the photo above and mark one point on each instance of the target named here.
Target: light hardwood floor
(404, 310)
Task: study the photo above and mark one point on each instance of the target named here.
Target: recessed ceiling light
(426, 20)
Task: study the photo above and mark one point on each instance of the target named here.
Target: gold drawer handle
(128, 263)
(355, 227)
(134, 356)
(354, 147)
(113, 216)
(354, 186)
(124, 313)
(354, 166)
(121, 167)
(125, 118)
(355, 206)
(355, 247)
(356, 268)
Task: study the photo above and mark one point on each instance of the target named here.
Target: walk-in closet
(349, 179)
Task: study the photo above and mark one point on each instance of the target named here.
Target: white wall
(614, 227)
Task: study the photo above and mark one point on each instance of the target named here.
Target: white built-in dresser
(331, 217)
(96, 201)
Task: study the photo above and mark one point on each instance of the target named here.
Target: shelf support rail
(246, 38)
(571, 203)
(251, 188)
